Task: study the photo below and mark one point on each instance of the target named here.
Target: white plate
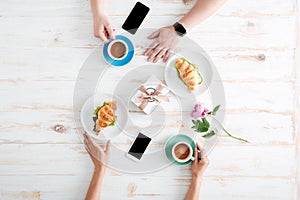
(176, 85)
(87, 114)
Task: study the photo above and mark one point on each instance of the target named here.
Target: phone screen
(139, 146)
(135, 18)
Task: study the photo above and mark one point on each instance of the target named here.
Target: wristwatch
(181, 31)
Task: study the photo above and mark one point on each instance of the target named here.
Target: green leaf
(205, 122)
(209, 134)
(201, 125)
(202, 129)
(215, 110)
(113, 123)
(96, 110)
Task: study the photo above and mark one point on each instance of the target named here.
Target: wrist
(98, 13)
(180, 29)
(99, 171)
(197, 179)
(185, 25)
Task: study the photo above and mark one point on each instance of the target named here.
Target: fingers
(103, 37)
(186, 1)
(204, 159)
(154, 53)
(107, 148)
(166, 56)
(86, 143)
(89, 143)
(160, 55)
(88, 138)
(202, 151)
(154, 34)
(110, 32)
(154, 44)
(150, 48)
(195, 155)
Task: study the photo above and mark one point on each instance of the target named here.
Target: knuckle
(96, 34)
(207, 162)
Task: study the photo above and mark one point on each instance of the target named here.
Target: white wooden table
(255, 47)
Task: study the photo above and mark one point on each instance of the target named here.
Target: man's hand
(97, 153)
(199, 166)
(166, 39)
(102, 28)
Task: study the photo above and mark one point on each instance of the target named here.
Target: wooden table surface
(255, 47)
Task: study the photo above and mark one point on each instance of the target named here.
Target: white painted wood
(135, 187)
(252, 32)
(77, 8)
(44, 43)
(235, 160)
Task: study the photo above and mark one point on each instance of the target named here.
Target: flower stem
(230, 135)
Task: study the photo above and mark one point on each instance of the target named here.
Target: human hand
(199, 166)
(98, 155)
(187, 1)
(102, 28)
(166, 40)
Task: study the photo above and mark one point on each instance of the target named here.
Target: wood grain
(255, 47)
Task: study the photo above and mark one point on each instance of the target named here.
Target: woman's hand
(199, 166)
(97, 153)
(102, 28)
(166, 39)
(187, 1)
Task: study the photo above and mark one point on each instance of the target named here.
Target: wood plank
(77, 8)
(268, 96)
(253, 47)
(136, 187)
(264, 129)
(260, 128)
(255, 64)
(43, 64)
(51, 108)
(297, 100)
(252, 32)
(226, 161)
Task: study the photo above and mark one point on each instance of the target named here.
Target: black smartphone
(135, 18)
(139, 147)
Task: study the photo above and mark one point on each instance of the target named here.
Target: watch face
(179, 29)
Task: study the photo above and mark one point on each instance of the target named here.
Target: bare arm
(166, 38)
(198, 168)
(94, 190)
(201, 10)
(99, 157)
(97, 7)
(194, 190)
(102, 28)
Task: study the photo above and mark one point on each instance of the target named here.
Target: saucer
(172, 141)
(126, 59)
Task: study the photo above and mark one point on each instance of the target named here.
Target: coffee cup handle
(192, 158)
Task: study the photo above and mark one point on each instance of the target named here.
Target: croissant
(188, 73)
(105, 116)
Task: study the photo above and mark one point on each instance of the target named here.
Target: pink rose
(199, 111)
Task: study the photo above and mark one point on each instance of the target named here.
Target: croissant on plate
(188, 73)
(105, 116)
